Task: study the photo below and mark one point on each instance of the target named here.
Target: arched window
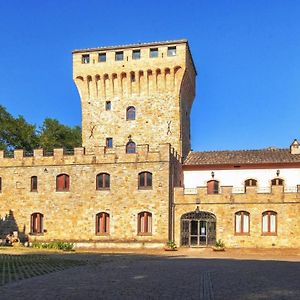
(33, 184)
(269, 223)
(102, 181)
(62, 182)
(102, 223)
(213, 187)
(130, 113)
(145, 180)
(36, 223)
(277, 181)
(130, 147)
(144, 223)
(242, 222)
(250, 182)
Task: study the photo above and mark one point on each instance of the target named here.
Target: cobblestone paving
(161, 277)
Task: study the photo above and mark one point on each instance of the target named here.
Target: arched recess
(115, 85)
(150, 83)
(98, 85)
(198, 228)
(168, 82)
(142, 83)
(79, 81)
(89, 85)
(124, 85)
(178, 73)
(159, 80)
(106, 85)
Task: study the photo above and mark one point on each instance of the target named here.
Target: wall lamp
(277, 172)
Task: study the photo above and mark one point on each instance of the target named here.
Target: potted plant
(170, 246)
(219, 246)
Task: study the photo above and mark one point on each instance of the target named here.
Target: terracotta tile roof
(239, 157)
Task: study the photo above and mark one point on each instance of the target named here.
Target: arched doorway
(198, 229)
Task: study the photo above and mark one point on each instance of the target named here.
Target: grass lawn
(15, 267)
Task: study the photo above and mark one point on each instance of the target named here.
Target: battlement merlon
(137, 69)
(104, 155)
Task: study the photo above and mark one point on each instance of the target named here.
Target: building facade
(135, 181)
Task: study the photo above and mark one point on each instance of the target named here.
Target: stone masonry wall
(70, 216)
(225, 205)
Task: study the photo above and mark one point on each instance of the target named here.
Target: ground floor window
(37, 223)
(242, 221)
(102, 223)
(269, 223)
(145, 223)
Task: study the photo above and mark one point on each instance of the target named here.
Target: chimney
(295, 147)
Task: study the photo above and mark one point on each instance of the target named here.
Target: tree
(55, 135)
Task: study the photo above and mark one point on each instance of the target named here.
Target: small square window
(109, 142)
(119, 55)
(153, 52)
(102, 57)
(107, 105)
(172, 51)
(85, 59)
(136, 54)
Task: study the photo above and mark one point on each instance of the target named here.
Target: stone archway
(198, 229)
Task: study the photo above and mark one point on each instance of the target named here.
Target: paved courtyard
(186, 274)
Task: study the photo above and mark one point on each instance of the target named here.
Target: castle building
(135, 181)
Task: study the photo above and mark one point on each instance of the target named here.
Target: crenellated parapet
(100, 155)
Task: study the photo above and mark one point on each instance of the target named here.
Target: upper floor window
(36, 223)
(109, 142)
(119, 55)
(242, 222)
(108, 105)
(130, 147)
(130, 113)
(269, 222)
(136, 54)
(102, 181)
(172, 51)
(277, 181)
(102, 223)
(102, 57)
(250, 182)
(213, 187)
(62, 183)
(144, 223)
(33, 184)
(145, 180)
(85, 58)
(153, 52)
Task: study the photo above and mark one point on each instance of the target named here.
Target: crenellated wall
(70, 215)
(153, 85)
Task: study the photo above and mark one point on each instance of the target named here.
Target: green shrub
(220, 243)
(171, 245)
(53, 245)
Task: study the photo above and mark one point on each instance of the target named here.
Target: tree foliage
(17, 133)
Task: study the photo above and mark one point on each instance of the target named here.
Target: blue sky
(247, 55)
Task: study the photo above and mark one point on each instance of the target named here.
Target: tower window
(277, 181)
(153, 52)
(108, 105)
(102, 57)
(145, 180)
(136, 54)
(130, 147)
(33, 184)
(130, 113)
(85, 59)
(119, 55)
(109, 142)
(102, 181)
(172, 51)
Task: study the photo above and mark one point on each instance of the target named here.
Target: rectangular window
(109, 142)
(0, 184)
(102, 57)
(172, 51)
(108, 105)
(153, 52)
(34, 184)
(85, 59)
(119, 55)
(136, 54)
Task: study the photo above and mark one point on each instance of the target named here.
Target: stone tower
(141, 93)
